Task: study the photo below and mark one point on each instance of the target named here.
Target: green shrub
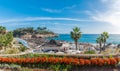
(22, 48)
(90, 52)
(26, 69)
(11, 51)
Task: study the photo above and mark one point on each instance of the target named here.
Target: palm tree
(75, 35)
(105, 36)
(99, 40)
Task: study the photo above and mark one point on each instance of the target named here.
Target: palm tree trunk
(76, 44)
(104, 44)
(100, 48)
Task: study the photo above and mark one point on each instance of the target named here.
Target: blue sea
(89, 38)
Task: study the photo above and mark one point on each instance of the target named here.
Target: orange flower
(107, 61)
(17, 60)
(100, 62)
(4, 59)
(27, 60)
(60, 60)
(37, 60)
(0, 59)
(56, 60)
(50, 60)
(32, 60)
(117, 59)
(76, 61)
(20, 60)
(14, 60)
(43, 60)
(81, 61)
(65, 60)
(87, 62)
(112, 61)
(94, 61)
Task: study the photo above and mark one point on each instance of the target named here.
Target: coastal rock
(53, 43)
(33, 42)
(118, 45)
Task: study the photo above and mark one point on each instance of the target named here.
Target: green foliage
(11, 51)
(6, 39)
(75, 35)
(26, 69)
(2, 30)
(22, 48)
(90, 52)
(102, 39)
(55, 67)
(14, 67)
(9, 37)
(105, 36)
(111, 56)
(22, 31)
(30, 30)
(60, 67)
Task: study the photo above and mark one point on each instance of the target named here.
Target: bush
(90, 52)
(22, 48)
(11, 51)
(26, 69)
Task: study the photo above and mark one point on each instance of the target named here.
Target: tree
(9, 38)
(99, 40)
(2, 30)
(6, 39)
(105, 36)
(75, 35)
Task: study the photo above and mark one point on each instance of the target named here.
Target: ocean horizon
(89, 38)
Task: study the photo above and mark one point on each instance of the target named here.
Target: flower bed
(67, 61)
(58, 62)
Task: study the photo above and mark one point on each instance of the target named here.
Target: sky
(61, 16)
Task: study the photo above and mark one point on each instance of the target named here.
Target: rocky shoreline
(40, 41)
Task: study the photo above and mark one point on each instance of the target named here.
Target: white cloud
(51, 10)
(111, 15)
(104, 1)
(41, 18)
(57, 10)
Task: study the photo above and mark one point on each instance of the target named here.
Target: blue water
(89, 38)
